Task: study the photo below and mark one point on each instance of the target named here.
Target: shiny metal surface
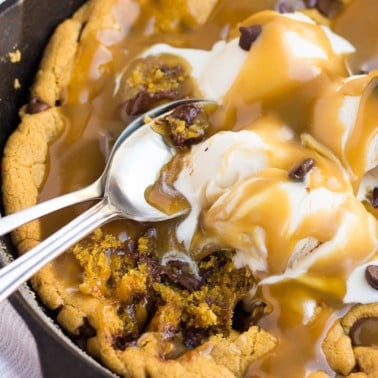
(134, 164)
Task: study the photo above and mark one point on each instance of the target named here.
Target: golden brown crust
(23, 168)
(359, 312)
(219, 357)
(367, 359)
(59, 56)
(54, 72)
(338, 350)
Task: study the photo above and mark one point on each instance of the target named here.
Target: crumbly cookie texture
(343, 353)
(149, 81)
(180, 312)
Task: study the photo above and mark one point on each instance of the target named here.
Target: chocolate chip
(194, 337)
(144, 100)
(327, 8)
(289, 6)
(299, 173)
(185, 126)
(220, 261)
(371, 89)
(174, 71)
(284, 7)
(243, 320)
(364, 332)
(36, 105)
(186, 112)
(363, 72)
(371, 276)
(248, 35)
(86, 330)
(83, 333)
(190, 282)
(177, 272)
(310, 3)
(374, 198)
(181, 141)
(123, 340)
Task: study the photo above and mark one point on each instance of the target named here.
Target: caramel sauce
(366, 129)
(162, 194)
(92, 110)
(358, 25)
(354, 147)
(302, 305)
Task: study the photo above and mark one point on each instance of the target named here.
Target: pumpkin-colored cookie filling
(171, 299)
(273, 272)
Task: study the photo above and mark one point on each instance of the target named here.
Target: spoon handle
(21, 269)
(12, 221)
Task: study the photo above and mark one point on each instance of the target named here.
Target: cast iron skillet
(27, 26)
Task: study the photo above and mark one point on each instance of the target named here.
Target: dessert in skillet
(273, 272)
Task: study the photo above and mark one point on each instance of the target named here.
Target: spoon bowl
(125, 177)
(134, 164)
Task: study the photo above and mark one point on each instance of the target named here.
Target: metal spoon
(134, 163)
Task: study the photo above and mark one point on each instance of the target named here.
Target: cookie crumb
(15, 56)
(16, 84)
(36, 105)
(371, 276)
